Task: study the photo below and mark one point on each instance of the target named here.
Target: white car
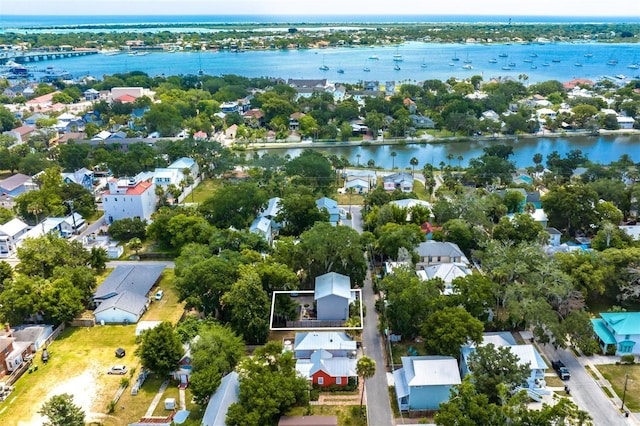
(118, 370)
(159, 294)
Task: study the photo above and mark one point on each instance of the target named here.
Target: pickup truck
(563, 372)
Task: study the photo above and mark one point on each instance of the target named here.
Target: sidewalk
(156, 399)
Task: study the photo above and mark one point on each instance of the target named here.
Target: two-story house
(424, 382)
(325, 358)
(10, 234)
(619, 330)
(437, 252)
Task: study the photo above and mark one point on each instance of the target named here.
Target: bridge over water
(37, 56)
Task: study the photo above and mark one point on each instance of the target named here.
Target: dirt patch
(83, 388)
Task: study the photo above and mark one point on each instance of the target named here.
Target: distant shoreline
(433, 141)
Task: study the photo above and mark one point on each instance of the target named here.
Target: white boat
(397, 57)
(366, 69)
(424, 63)
(633, 66)
(455, 58)
(503, 55)
(374, 57)
(467, 67)
(396, 67)
(493, 61)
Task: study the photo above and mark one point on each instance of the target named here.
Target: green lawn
(401, 349)
(167, 309)
(615, 374)
(204, 190)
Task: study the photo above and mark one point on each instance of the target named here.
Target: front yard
(615, 374)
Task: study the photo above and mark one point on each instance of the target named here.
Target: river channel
(599, 149)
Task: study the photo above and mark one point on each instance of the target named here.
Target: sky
(596, 8)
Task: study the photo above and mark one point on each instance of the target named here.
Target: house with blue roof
(331, 206)
(619, 330)
(227, 393)
(186, 163)
(332, 295)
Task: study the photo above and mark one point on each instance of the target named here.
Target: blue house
(332, 296)
(16, 185)
(620, 330)
(424, 382)
(83, 177)
(331, 206)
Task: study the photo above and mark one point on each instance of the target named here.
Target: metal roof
(332, 283)
(224, 396)
(430, 370)
(327, 340)
(622, 323)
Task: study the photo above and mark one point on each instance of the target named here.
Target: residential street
(376, 388)
(586, 392)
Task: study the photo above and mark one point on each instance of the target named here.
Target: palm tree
(414, 163)
(460, 158)
(450, 157)
(366, 368)
(35, 209)
(358, 157)
(135, 244)
(393, 159)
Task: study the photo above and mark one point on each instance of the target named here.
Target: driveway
(586, 392)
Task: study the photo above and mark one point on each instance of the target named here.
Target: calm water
(18, 21)
(603, 149)
(437, 60)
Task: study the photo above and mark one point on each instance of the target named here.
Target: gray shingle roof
(137, 279)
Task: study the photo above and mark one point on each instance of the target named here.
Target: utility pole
(73, 215)
(624, 393)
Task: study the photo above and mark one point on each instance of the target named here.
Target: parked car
(159, 294)
(118, 369)
(120, 352)
(561, 369)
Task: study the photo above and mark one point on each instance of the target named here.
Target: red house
(323, 369)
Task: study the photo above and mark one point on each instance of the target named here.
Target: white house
(129, 198)
(10, 234)
(165, 176)
(625, 122)
(185, 163)
(424, 382)
(262, 226)
(447, 272)
(227, 393)
(402, 181)
(620, 330)
(527, 354)
(332, 296)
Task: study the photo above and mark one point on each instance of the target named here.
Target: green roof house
(620, 330)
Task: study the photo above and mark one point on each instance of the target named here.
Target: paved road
(377, 387)
(586, 393)
(167, 263)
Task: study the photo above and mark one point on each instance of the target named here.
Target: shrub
(628, 359)
(314, 394)
(611, 350)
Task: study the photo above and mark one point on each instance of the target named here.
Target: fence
(59, 329)
(314, 324)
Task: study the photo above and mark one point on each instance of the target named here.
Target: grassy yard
(204, 190)
(615, 374)
(348, 415)
(167, 309)
(78, 364)
(401, 349)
